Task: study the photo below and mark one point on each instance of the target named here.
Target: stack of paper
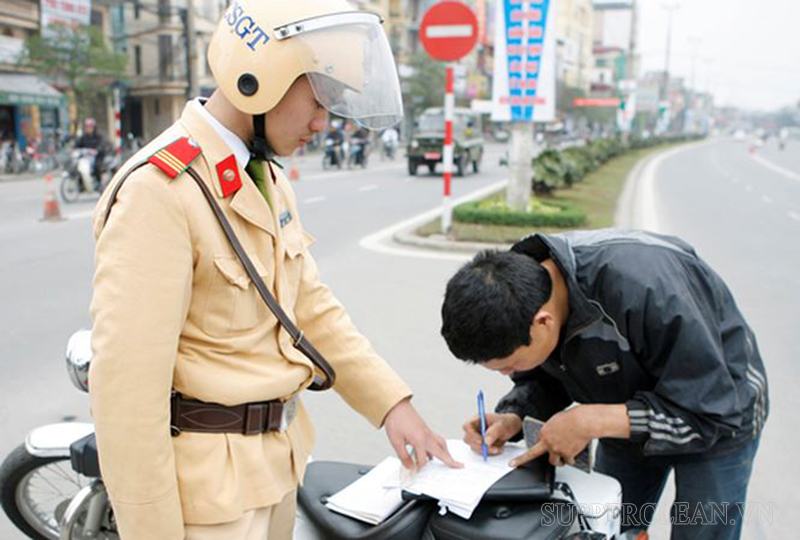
(369, 499)
(460, 490)
(376, 495)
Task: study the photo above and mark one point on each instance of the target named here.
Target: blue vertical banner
(524, 68)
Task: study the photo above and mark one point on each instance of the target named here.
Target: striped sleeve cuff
(638, 416)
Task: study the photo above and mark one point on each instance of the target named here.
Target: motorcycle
(389, 149)
(333, 154)
(358, 153)
(51, 488)
(78, 178)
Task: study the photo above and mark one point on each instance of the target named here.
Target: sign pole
(448, 31)
(447, 152)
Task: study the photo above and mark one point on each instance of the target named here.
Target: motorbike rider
(647, 338)
(336, 136)
(92, 139)
(390, 139)
(359, 141)
(177, 320)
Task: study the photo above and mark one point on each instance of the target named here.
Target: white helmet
(262, 46)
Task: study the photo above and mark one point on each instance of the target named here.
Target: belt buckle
(288, 413)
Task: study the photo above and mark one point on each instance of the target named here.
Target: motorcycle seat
(324, 478)
(83, 456)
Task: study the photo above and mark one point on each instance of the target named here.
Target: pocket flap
(234, 271)
(296, 242)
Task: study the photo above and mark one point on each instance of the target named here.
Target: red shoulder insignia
(176, 157)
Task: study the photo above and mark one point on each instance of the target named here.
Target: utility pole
(192, 88)
(671, 8)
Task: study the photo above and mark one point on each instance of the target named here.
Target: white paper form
(460, 490)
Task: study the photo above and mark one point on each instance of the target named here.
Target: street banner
(524, 86)
(69, 13)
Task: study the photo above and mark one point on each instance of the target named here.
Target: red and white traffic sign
(449, 30)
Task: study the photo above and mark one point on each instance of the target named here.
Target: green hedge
(493, 211)
(554, 169)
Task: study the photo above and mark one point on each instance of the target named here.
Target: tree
(425, 87)
(77, 60)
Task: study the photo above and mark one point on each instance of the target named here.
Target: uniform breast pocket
(296, 241)
(233, 304)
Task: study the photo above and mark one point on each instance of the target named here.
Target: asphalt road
(739, 213)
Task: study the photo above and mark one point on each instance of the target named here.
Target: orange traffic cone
(52, 212)
(294, 172)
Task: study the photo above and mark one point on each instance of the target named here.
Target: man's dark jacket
(653, 326)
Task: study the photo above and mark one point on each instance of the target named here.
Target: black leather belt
(247, 419)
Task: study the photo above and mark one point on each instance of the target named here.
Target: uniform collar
(246, 201)
(233, 142)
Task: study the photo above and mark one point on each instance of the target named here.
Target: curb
(623, 216)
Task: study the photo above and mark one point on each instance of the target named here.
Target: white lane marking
(368, 187)
(791, 175)
(80, 215)
(748, 188)
(794, 215)
(313, 200)
(377, 240)
(766, 199)
(327, 175)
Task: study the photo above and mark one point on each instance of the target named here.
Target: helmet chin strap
(260, 147)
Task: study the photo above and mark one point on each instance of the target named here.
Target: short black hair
(489, 305)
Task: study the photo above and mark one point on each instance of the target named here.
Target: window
(163, 11)
(137, 59)
(164, 56)
(136, 9)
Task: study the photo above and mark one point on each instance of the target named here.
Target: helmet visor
(353, 73)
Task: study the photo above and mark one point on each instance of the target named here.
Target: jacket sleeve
(536, 394)
(363, 379)
(673, 327)
(142, 288)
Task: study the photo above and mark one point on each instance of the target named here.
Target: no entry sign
(449, 30)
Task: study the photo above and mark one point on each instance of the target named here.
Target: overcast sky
(747, 51)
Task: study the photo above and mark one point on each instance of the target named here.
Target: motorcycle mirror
(79, 356)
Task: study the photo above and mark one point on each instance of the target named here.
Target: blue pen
(482, 416)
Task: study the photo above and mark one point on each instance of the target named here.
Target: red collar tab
(228, 175)
(176, 157)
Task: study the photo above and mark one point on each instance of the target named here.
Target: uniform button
(228, 175)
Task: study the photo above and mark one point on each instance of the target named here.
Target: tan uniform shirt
(174, 308)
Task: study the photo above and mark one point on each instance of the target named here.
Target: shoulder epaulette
(175, 158)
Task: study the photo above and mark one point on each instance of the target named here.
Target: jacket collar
(247, 201)
(558, 248)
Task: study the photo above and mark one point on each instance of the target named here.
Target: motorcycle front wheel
(70, 190)
(36, 491)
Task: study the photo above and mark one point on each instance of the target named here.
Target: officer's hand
(563, 437)
(404, 426)
(499, 429)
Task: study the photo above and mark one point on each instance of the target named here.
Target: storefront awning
(27, 89)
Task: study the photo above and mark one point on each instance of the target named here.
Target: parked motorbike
(333, 154)
(51, 488)
(357, 156)
(77, 177)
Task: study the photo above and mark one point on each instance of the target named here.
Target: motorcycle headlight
(79, 356)
(414, 144)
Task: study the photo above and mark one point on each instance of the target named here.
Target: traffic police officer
(178, 324)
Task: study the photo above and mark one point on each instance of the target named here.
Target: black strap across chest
(298, 338)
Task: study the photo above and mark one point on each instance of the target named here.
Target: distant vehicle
(426, 145)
